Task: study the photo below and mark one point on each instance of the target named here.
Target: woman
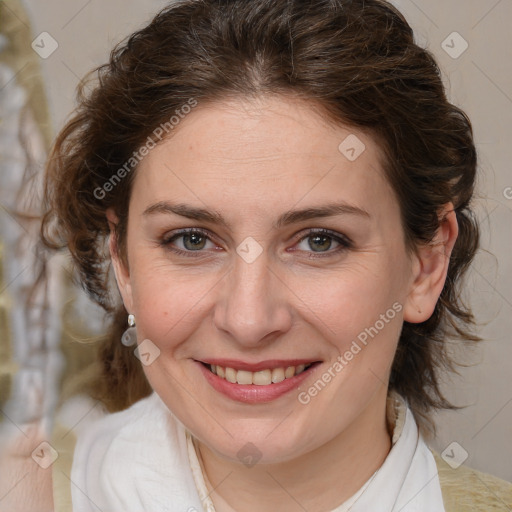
(286, 194)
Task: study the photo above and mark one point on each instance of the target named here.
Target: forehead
(262, 151)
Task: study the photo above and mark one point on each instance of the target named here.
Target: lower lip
(251, 393)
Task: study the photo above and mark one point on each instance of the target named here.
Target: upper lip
(261, 365)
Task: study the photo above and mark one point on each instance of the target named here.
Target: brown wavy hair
(357, 59)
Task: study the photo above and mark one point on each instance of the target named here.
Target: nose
(253, 305)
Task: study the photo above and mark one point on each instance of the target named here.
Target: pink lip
(250, 393)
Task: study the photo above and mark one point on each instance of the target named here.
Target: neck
(317, 481)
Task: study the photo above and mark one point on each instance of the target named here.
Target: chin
(257, 442)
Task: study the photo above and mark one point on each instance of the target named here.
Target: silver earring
(129, 336)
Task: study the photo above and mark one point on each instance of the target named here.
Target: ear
(121, 270)
(430, 268)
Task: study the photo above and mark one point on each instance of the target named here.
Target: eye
(188, 241)
(322, 241)
(193, 242)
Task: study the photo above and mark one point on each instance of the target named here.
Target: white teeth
(263, 378)
(260, 378)
(243, 377)
(231, 375)
(289, 372)
(277, 375)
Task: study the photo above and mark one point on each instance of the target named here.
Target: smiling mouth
(259, 378)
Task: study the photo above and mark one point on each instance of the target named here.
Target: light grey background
(479, 80)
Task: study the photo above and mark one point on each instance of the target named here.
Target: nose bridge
(253, 304)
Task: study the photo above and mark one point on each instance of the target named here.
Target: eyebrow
(287, 218)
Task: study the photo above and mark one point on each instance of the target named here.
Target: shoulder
(143, 420)
(134, 460)
(104, 429)
(103, 446)
(467, 489)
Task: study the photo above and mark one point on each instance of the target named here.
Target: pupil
(320, 240)
(195, 239)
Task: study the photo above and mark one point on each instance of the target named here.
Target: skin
(251, 161)
(24, 485)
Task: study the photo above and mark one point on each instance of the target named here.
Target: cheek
(359, 315)
(169, 302)
(347, 301)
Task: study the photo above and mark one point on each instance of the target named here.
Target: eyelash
(345, 242)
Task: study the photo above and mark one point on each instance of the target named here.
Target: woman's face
(295, 256)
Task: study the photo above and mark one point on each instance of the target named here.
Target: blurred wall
(473, 43)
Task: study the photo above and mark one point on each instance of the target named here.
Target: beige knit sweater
(465, 489)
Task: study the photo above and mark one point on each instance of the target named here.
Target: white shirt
(143, 460)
